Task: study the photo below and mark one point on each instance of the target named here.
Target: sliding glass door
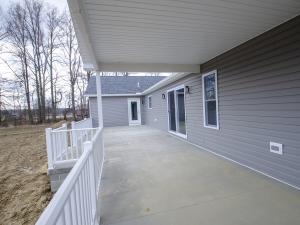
(172, 111)
(176, 111)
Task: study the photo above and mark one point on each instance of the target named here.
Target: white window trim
(139, 120)
(170, 131)
(217, 101)
(150, 96)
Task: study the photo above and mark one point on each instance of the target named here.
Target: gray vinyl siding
(156, 116)
(93, 111)
(115, 111)
(259, 102)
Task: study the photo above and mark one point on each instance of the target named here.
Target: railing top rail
(51, 213)
(86, 122)
(79, 129)
(97, 133)
(82, 121)
(62, 128)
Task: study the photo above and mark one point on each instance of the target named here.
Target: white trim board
(217, 127)
(232, 160)
(149, 67)
(115, 95)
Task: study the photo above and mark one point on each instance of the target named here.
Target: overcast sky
(5, 4)
(61, 4)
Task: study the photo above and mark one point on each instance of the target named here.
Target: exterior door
(176, 111)
(172, 111)
(134, 111)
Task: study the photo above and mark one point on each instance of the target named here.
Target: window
(210, 100)
(134, 114)
(149, 102)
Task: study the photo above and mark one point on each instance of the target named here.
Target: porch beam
(149, 67)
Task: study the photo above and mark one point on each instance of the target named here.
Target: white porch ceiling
(170, 35)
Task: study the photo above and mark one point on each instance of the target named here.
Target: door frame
(176, 111)
(130, 121)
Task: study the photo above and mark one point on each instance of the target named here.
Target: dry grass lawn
(24, 184)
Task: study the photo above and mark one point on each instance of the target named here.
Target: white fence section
(80, 125)
(75, 202)
(85, 123)
(65, 146)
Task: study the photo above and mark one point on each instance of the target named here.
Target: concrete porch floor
(153, 178)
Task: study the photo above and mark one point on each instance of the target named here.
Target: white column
(99, 99)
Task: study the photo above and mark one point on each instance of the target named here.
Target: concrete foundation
(57, 176)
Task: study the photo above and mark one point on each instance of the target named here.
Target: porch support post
(49, 147)
(99, 99)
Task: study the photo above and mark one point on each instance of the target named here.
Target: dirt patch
(24, 184)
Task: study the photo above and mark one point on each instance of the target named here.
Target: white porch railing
(65, 146)
(85, 123)
(75, 202)
(77, 127)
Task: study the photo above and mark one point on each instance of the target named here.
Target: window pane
(172, 112)
(209, 84)
(150, 102)
(211, 113)
(134, 115)
(181, 111)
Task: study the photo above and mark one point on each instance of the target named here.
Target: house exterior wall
(115, 111)
(259, 102)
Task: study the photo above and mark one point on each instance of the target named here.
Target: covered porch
(151, 177)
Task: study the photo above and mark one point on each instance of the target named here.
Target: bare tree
(53, 21)
(39, 41)
(4, 102)
(71, 56)
(17, 38)
(34, 27)
(17, 97)
(88, 75)
(82, 81)
(10, 98)
(3, 32)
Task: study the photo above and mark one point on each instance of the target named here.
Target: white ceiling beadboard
(169, 35)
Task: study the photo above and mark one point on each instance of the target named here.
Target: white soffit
(170, 35)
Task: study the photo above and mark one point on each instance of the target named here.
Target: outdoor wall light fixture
(187, 89)
(163, 96)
